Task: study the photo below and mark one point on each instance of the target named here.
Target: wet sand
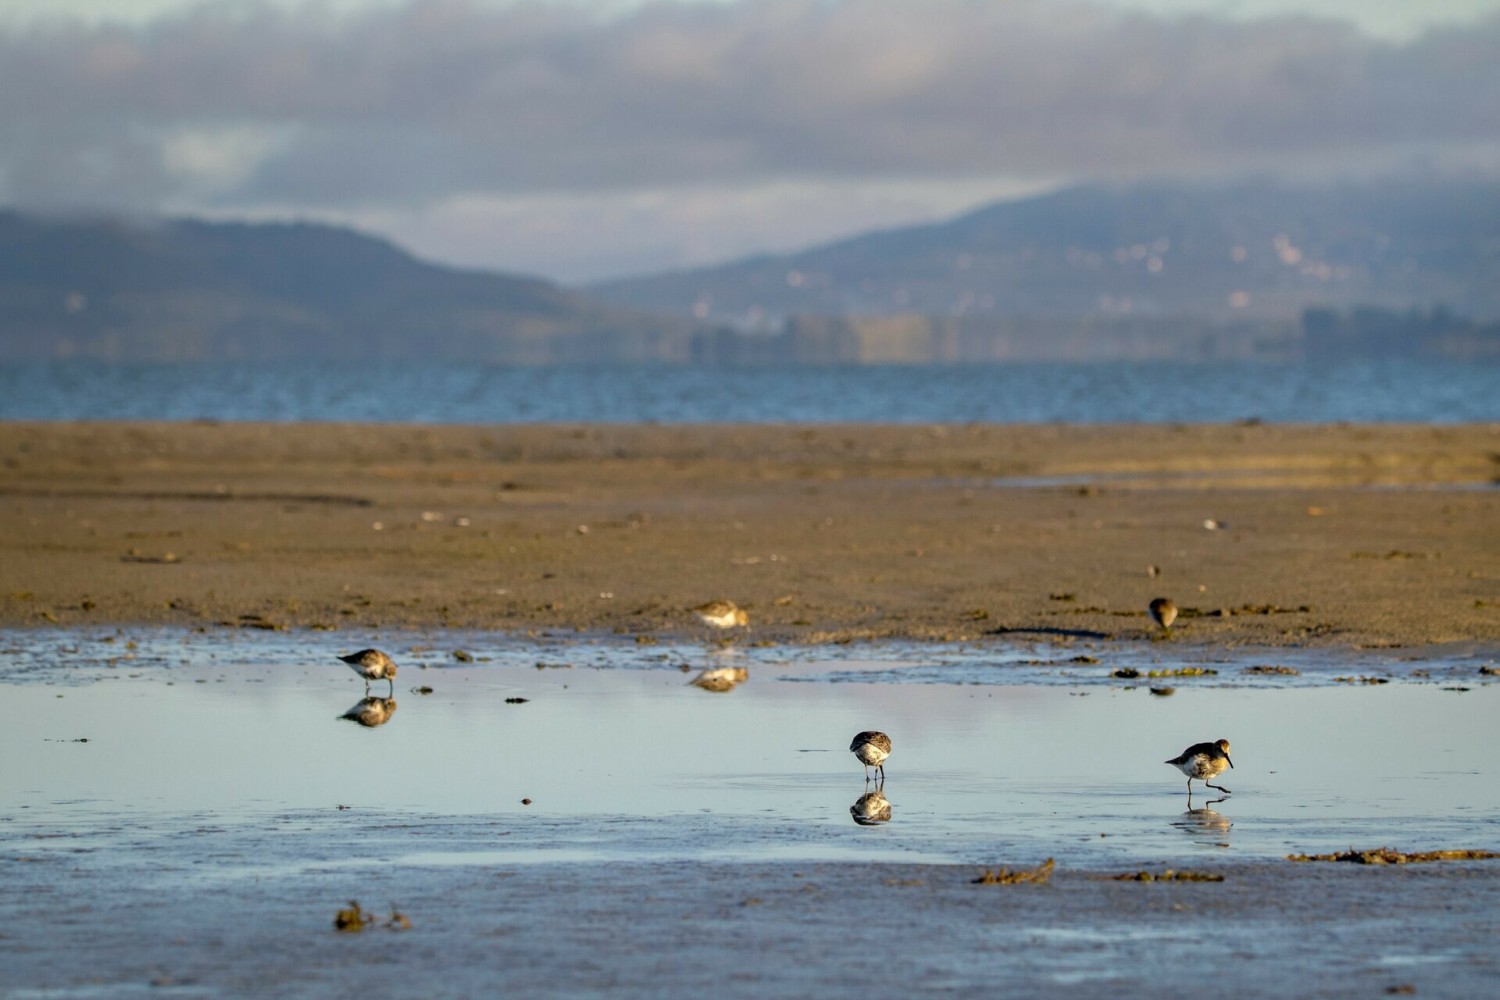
(1352, 536)
(700, 929)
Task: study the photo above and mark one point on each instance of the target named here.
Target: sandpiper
(872, 748)
(871, 809)
(722, 614)
(720, 678)
(372, 665)
(1203, 761)
(371, 711)
(1164, 613)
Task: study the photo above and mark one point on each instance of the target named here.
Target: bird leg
(1219, 787)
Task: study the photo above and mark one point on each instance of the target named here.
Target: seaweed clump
(1184, 672)
(354, 918)
(1387, 856)
(1168, 876)
(1005, 876)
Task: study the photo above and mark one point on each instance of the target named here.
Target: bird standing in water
(372, 665)
(1203, 761)
(872, 748)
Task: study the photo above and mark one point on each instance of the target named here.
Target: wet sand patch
(691, 929)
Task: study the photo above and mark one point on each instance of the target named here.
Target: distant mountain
(1250, 270)
(187, 290)
(1252, 251)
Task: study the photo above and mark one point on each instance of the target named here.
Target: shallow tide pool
(999, 751)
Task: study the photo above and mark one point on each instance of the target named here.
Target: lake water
(1430, 392)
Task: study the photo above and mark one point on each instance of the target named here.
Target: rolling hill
(187, 290)
(1248, 251)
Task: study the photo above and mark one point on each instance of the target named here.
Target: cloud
(605, 234)
(432, 102)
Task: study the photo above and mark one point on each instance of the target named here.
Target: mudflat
(1263, 534)
(699, 928)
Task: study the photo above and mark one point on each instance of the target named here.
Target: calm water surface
(1424, 392)
(998, 749)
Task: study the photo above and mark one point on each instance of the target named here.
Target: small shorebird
(1164, 613)
(872, 748)
(720, 678)
(871, 809)
(372, 665)
(722, 614)
(371, 712)
(1203, 761)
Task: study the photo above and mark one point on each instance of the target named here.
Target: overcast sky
(580, 139)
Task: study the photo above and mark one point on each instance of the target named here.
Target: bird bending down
(722, 614)
(1164, 613)
(1203, 761)
(872, 748)
(372, 665)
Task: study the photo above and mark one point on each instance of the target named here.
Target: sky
(588, 139)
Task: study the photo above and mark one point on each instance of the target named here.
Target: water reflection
(720, 678)
(1205, 825)
(371, 711)
(787, 765)
(871, 808)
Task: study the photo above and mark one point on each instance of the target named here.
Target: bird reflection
(1205, 824)
(720, 678)
(371, 711)
(871, 808)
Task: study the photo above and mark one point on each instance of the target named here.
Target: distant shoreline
(1349, 536)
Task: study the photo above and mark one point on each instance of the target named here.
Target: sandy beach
(1262, 534)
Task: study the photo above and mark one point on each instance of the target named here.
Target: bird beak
(1226, 757)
